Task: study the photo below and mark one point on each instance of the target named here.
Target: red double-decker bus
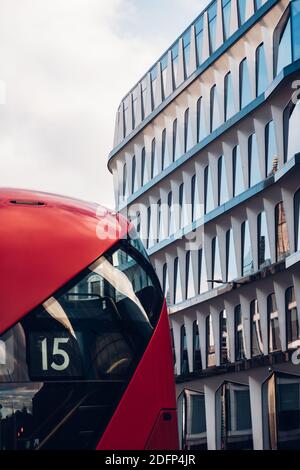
(85, 352)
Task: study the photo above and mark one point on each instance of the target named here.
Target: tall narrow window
(125, 180)
(154, 166)
(247, 259)
(231, 269)
(273, 322)
(222, 182)
(239, 334)
(245, 86)
(264, 255)
(242, 5)
(226, 4)
(175, 65)
(134, 107)
(210, 343)
(164, 70)
(216, 263)
(126, 118)
(165, 157)
(186, 52)
(144, 175)
(149, 227)
(223, 338)
(197, 363)
(238, 177)
(261, 70)
(208, 191)
(292, 118)
(178, 297)
(212, 24)
(284, 55)
(159, 221)
(153, 75)
(188, 138)
(292, 325)
(182, 207)
(202, 276)
(176, 149)
(144, 94)
(183, 350)
(171, 227)
(166, 285)
(271, 148)
(256, 336)
(201, 133)
(189, 276)
(196, 210)
(134, 175)
(297, 219)
(282, 239)
(228, 96)
(253, 162)
(214, 107)
(199, 39)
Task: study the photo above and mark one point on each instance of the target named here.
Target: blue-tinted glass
(200, 120)
(242, 11)
(222, 181)
(197, 365)
(154, 84)
(258, 4)
(212, 35)
(284, 57)
(208, 191)
(175, 64)
(254, 170)
(247, 258)
(199, 39)
(261, 70)
(264, 257)
(144, 92)
(188, 137)
(294, 131)
(245, 86)
(176, 149)
(229, 99)
(165, 151)
(164, 68)
(216, 263)
(186, 52)
(230, 257)
(295, 29)
(215, 113)
(226, 18)
(238, 178)
(271, 147)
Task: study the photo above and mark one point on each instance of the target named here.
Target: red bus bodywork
(45, 241)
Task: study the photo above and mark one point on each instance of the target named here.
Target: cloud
(66, 65)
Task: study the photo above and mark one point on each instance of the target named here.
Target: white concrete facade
(206, 163)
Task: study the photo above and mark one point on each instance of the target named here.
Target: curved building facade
(206, 163)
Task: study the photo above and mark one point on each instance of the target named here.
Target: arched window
(261, 70)
(247, 258)
(253, 162)
(242, 4)
(292, 325)
(264, 255)
(273, 322)
(271, 148)
(231, 269)
(144, 175)
(188, 138)
(154, 166)
(201, 133)
(134, 175)
(189, 276)
(239, 334)
(228, 96)
(245, 86)
(238, 177)
(197, 363)
(166, 285)
(284, 55)
(165, 157)
(212, 25)
(223, 338)
(176, 149)
(297, 219)
(215, 120)
(226, 18)
(216, 263)
(208, 191)
(184, 363)
(256, 336)
(125, 180)
(222, 182)
(210, 343)
(178, 297)
(282, 239)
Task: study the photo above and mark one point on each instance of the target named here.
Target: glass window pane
(171, 222)
(292, 326)
(208, 191)
(216, 263)
(239, 336)
(297, 220)
(178, 293)
(288, 412)
(264, 254)
(212, 21)
(200, 120)
(202, 280)
(242, 11)
(254, 168)
(236, 410)
(210, 343)
(284, 57)
(125, 181)
(166, 285)
(188, 137)
(164, 69)
(214, 107)
(273, 320)
(175, 65)
(144, 96)
(282, 239)
(261, 70)
(293, 133)
(238, 177)
(223, 338)
(134, 175)
(154, 163)
(165, 154)
(153, 75)
(144, 169)
(245, 85)
(229, 99)
(176, 147)
(247, 258)
(198, 419)
(222, 182)
(256, 336)
(296, 28)
(197, 363)
(230, 257)
(271, 148)
(186, 53)
(184, 353)
(226, 18)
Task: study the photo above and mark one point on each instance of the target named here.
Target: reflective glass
(264, 254)
(254, 168)
(188, 137)
(245, 86)
(282, 238)
(153, 75)
(238, 177)
(190, 282)
(229, 100)
(216, 263)
(223, 338)
(288, 412)
(208, 191)
(175, 65)
(196, 206)
(271, 148)
(165, 155)
(284, 56)
(184, 354)
(125, 181)
(222, 182)
(292, 325)
(214, 107)
(166, 284)
(231, 269)
(210, 343)
(297, 220)
(293, 133)
(261, 70)
(242, 5)
(239, 335)
(154, 163)
(256, 335)
(164, 69)
(144, 96)
(186, 53)
(170, 214)
(200, 120)
(226, 18)
(202, 279)
(144, 169)
(178, 293)
(197, 362)
(247, 258)
(273, 321)
(134, 175)
(296, 28)
(176, 148)
(212, 20)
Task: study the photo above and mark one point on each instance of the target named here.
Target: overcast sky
(66, 64)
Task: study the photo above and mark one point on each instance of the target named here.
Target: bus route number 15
(57, 350)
